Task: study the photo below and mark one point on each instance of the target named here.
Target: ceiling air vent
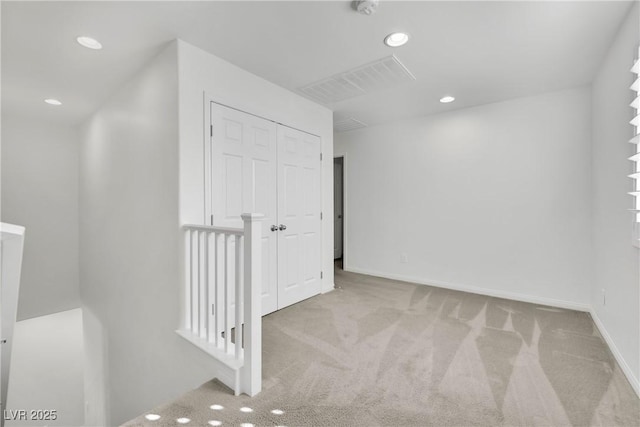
(381, 74)
(348, 124)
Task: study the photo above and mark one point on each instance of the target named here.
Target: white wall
(200, 73)
(617, 267)
(46, 369)
(40, 191)
(139, 164)
(493, 199)
(129, 255)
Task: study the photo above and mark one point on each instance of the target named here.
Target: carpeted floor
(383, 352)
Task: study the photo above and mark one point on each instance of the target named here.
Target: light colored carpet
(383, 352)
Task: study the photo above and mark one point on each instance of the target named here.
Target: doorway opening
(338, 211)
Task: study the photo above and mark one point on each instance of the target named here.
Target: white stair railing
(222, 295)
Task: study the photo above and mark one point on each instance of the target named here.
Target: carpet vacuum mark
(385, 352)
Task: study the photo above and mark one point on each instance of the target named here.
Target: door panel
(232, 187)
(299, 211)
(292, 261)
(243, 159)
(290, 193)
(258, 166)
(262, 180)
(270, 270)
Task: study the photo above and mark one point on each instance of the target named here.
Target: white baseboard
(480, 291)
(635, 384)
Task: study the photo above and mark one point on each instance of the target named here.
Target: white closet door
(299, 261)
(243, 179)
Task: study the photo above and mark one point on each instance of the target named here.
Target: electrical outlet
(604, 297)
(404, 258)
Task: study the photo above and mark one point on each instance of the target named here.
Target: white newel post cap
(252, 216)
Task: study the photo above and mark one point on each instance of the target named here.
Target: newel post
(252, 370)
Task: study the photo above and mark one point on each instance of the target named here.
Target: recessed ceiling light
(52, 101)
(447, 99)
(89, 42)
(396, 39)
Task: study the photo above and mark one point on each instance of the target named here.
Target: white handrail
(212, 229)
(222, 303)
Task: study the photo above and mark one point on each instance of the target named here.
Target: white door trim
(345, 205)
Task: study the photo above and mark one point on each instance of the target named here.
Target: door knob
(274, 227)
(283, 227)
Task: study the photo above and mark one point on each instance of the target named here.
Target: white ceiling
(479, 51)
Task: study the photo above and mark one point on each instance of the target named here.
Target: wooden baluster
(219, 286)
(202, 275)
(239, 297)
(194, 282)
(227, 297)
(211, 291)
(187, 282)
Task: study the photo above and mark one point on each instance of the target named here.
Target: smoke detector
(367, 7)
